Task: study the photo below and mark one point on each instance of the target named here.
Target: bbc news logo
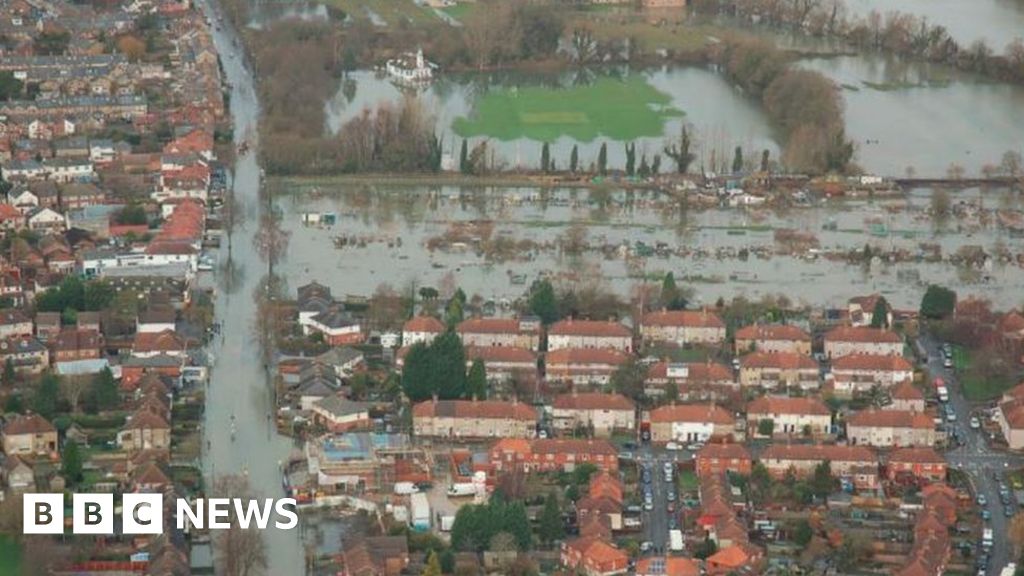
(144, 514)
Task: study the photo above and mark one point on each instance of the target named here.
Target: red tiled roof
(164, 341)
(863, 334)
(589, 328)
(788, 405)
(922, 455)
(891, 419)
(572, 446)
(872, 362)
(489, 326)
(493, 409)
(907, 391)
(569, 356)
(146, 420)
(501, 354)
(592, 401)
(724, 451)
(772, 332)
(780, 360)
(819, 452)
(8, 212)
(423, 324)
(28, 424)
(692, 413)
(75, 339)
(673, 566)
(688, 318)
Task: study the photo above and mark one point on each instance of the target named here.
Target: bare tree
(239, 552)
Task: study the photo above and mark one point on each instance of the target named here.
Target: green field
(10, 556)
(610, 108)
(977, 389)
(460, 10)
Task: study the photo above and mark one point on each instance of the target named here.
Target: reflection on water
(995, 21)
(494, 242)
(263, 13)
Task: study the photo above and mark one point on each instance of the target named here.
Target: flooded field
(997, 22)
(476, 238)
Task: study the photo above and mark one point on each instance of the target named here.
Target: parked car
(673, 446)
(982, 501)
(695, 447)
(975, 423)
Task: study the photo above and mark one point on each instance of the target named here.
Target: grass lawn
(10, 556)
(460, 11)
(612, 108)
(688, 481)
(391, 11)
(977, 389)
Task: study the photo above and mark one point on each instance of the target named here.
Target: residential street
(975, 458)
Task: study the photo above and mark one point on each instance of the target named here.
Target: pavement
(656, 521)
(975, 457)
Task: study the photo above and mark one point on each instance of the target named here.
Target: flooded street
(398, 235)
(238, 384)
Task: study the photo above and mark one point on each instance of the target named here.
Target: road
(238, 384)
(975, 457)
(656, 520)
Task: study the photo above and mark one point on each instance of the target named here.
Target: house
(552, 454)
(846, 340)
(603, 502)
(932, 545)
(376, 555)
(583, 366)
(667, 566)
(14, 324)
(421, 329)
(344, 359)
(722, 457)
(857, 463)
(163, 343)
(907, 396)
(156, 319)
(11, 218)
(691, 423)
(923, 463)
(594, 557)
(339, 414)
(602, 413)
(773, 338)
(72, 344)
(316, 382)
(313, 298)
(27, 355)
(890, 428)
(589, 334)
(504, 364)
(682, 327)
(775, 370)
(513, 332)
(46, 219)
(733, 559)
(29, 435)
(17, 475)
(474, 419)
(337, 327)
(1009, 415)
(855, 373)
(144, 430)
(862, 310)
(78, 195)
(790, 416)
(692, 380)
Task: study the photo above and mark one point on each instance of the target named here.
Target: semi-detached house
(858, 463)
(772, 338)
(682, 327)
(691, 423)
(861, 372)
(779, 370)
(847, 340)
(891, 428)
(589, 334)
(793, 416)
(458, 419)
(514, 332)
(605, 413)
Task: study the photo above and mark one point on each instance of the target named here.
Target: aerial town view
(511, 287)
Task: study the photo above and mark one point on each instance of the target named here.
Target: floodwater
(395, 227)
(997, 22)
(898, 114)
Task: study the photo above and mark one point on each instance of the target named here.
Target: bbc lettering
(144, 513)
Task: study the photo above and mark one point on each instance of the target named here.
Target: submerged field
(609, 107)
(10, 556)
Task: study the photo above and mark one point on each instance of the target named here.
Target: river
(238, 384)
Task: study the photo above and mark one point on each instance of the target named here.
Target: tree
(71, 463)
(238, 551)
(132, 47)
(574, 158)
(542, 301)
(476, 380)
(880, 315)
(803, 533)
(416, 380)
(765, 160)
(10, 87)
(644, 171)
(628, 380)
(822, 482)
(672, 392)
(671, 296)
(97, 295)
(437, 368)
(551, 528)
(656, 164)
(737, 160)
(545, 158)
(630, 158)
(9, 374)
(938, 302)
(104, 394)
(680, 151)
(705, 549)
(1011, 163)
(453, 313)
(464, 158)
(766, 427)
(602, 159)
(433, 567)
(44, 402)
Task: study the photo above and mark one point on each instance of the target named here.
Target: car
(668, 468)
(673, 446)
(975, 423)
(673, 524)
(671, 507)
(1008, 511)
(950, 414)
(982, 501)
(947, 363)
(649, 505)
(695, 447)
(645, 475)
(645, 435)
(671, 495)
(735, 363)
(986, 515)
(646, 546)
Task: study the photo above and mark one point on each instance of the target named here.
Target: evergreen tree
(542, 301)
(9, 374)
(44, 402)
(880, 315)
(464, 157)
(645, 170)
(764, 160)
(602, 159)
(476, 381)
(433, 567)
(448, 366)
(737, 160)
(545, 158)
(103, 393)
(453, 312)
(574, 159)
(71, 463)
(671, 296)
(656, 164)
(680, 152)
(416, 380)
(938, 302)
(630, 159)
(551, 526)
